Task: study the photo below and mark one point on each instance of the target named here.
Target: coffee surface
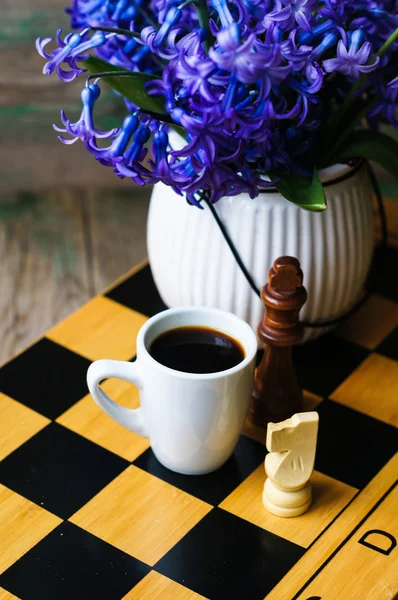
(196, 350)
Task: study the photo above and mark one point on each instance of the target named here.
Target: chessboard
(87, 512)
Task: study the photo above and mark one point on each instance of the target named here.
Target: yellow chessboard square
(18, 423)
(87, 419)
(141, 515)
(155, 586)
(4, 595)
(329, 498)
(374, 321)
(372, 389)
(365, 566)
(22, 525)
(102, 328)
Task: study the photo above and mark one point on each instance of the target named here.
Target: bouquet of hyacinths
(263, 92)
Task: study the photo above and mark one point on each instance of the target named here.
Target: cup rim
(250, 349)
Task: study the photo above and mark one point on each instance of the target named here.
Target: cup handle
(99, 370)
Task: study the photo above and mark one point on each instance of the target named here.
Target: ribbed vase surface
(193, 265)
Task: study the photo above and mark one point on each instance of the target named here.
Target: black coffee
(196, 350)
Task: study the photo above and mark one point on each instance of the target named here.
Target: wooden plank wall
(68, 226)
(31, 156)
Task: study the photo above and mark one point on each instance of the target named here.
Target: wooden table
(87, 512)
(58, 249)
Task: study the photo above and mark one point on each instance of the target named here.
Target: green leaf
(371, 145)
(132, 87)
(335, 137)
(305, 192)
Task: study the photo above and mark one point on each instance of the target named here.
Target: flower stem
(184, 4)
(393, 37)
(111, 74)
(119, 31)
(204, 21)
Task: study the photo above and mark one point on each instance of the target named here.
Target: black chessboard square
(382, 278)
(323, 364)
(214, 487)
(352, 447)
(47, 377)
(389, 346)
(139, 292)
(72, 563)
(227, 557)
(59, 470)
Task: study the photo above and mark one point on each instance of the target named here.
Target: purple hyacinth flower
(172, 17)
(207, 140)
(195, 74)
(221, 6)
(249, 61)
(393, 84)
(255, 9)
(297, 57)
(83, 11)
(190, 44)
(137, 172)
(161, 167)
(114, 153)
(251, 105)
(234, 57)
(136, 151)
(60, 55)
(281, 110)
(328, 41)
(352, 61)
(160, 8)
(202, 146)
(211, 120)
(129, 164)
(163, 87)
(288, 13)
(84, 128)
(71, 50)
(148, 35)
(221, 181)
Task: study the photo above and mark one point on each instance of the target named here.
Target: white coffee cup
(193, 420)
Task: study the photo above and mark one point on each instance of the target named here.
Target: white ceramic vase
(193, 265)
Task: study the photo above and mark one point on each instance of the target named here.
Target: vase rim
(328, 176)
(336, 172)
(331, 175)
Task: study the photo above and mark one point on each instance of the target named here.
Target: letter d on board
(376, 534)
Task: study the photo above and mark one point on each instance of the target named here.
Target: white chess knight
(289, 464)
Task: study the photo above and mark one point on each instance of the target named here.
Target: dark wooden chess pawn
(276, 394)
